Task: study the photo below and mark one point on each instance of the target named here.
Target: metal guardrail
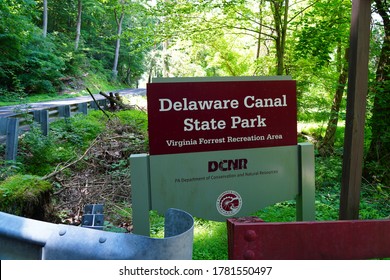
(13, 126)
(55, 110)
(23, 239)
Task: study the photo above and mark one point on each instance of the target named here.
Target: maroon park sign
(200, 116)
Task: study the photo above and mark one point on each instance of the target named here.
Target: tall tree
(45, 18)
(334, 25)
(280, 9)
(379, 151)
(257, 23)
(326, 146)
(119, 12)
(29, 62)
(260, 33)
(78, 24)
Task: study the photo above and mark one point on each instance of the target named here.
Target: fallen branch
(97, 104)
(116, 101)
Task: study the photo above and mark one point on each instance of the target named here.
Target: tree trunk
(280, 14)
(379, 150)
(119, 22)
(165, 69)
(44, 28)
(327, 144)
(260, 30)
(78, 28)
(259, 37)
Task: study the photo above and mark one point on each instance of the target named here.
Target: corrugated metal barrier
(23, 239)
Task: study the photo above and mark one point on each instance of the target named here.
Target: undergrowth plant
(36, 151)
(9, 168)
(40, 154)
(79, 130)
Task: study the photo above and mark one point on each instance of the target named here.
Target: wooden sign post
(356, 110)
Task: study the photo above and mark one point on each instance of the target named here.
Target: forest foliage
(50, 45)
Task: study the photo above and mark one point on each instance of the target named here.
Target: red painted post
(251, 238)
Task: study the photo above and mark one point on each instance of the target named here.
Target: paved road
(7, 111)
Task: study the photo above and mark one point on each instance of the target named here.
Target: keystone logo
(229, 203)
(228, 164)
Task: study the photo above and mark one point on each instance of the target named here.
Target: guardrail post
(93, 105)
(64, 111)
(83, 108)
(103, 103)
(12, 139)
(37, 116)
(42, 117)
(3, 126)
